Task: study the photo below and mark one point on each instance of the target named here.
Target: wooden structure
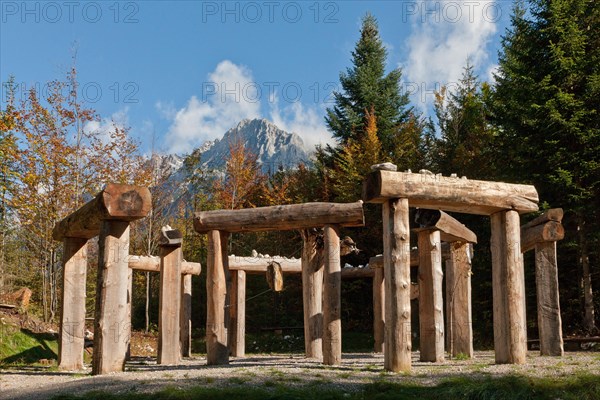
(107, 215)
(218, 224)
(502, 202)
(541, 234)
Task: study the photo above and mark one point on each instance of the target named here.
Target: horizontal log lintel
(551, 231)
(553, 214)
(451, 230)
(152, 264)
(285, 217)
(114, 202)
(449, 193)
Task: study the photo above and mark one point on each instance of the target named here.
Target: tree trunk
(589, 323)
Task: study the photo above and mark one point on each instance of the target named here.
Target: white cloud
(105, 126)
(305, 121)
(227, 97)
(445, 34)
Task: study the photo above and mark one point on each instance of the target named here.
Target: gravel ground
(144, 375)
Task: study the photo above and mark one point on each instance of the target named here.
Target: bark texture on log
(396, 253)
(450, 194)
(508, 283)
(312, 293)
(332, 299)
(72, 317)
(113, 297)
(114, 202)
(286, 217)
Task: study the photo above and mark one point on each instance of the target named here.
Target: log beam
(548, 305)
(114, 202)
(396, 253)
(112, 322)
(550, 231)
(449, 193)
(237, 314)
(451, 230)
(312, 294)
(185, 316)
(332, 299)
(459, 331)
(431, 314)
(169, 351)
(152, 264)
(72, 316)
(508, 284)
(217, 352)
(286, 217)
(553, 214)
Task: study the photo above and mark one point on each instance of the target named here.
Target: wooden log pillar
(217, 352)
(312, 294)
(332, 299)
(113, 298)
(171, 257)
(185, 316)
(431, 302)
(237, 314)
(508, 283)
(548, 307)
(72, 317)
(378, 309)
(396, 264)
(459, 326)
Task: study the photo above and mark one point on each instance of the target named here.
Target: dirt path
(143, 375)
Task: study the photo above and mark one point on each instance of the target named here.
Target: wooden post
(332, 324)
(171, 257)
(378, 309)
(237, 314)
(111, 324)
(431, 303)
(548, 307)
(72, 317)
(185, 316)
(396, 264)
(312, 294)
(508, 282)
(459, 328)
(216, 292)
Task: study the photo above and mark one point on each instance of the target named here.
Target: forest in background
(537, 123)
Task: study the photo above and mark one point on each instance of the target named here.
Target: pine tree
(366, 86)
(547, 105)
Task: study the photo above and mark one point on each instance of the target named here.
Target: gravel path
(267, 370)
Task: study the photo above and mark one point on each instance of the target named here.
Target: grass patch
(576, 387)
(21, 346)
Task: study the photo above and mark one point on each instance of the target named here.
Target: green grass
(23, 347)
(578, 387)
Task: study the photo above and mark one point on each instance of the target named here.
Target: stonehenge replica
(445, 249)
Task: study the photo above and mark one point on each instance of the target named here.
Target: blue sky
(186, 71)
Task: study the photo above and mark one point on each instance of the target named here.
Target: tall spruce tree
(547, 104)
(366, 87)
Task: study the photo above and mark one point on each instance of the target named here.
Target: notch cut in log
(551, 231)
(152, 264)
(451, 230)
(275, 276)
(448, 193)
(286, 217)
(553, 214)
(170, 237)
(114, 202)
